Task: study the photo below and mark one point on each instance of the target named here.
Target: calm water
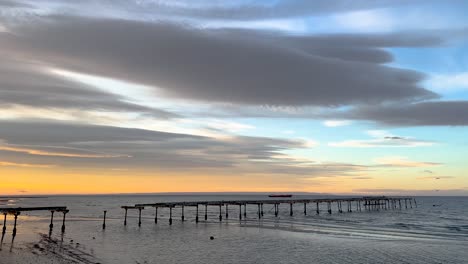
(427, 234)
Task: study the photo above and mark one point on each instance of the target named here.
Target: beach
(427, 234)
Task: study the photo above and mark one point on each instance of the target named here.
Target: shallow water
(427, 234)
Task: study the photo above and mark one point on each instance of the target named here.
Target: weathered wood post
(276, 209)
(329, 207)
(240, 211)
(399, 203)
(305, 208)
(183, 216)
(406, 203)
(338, 203)
(4, 223)
(170, 215)
(415, 204)
(411, 203)
(63, 220)
(261, 209)
(258, 211)
(196, 217)
(290, 209)
(245, 210)
(155, 214)
(14, 226)
(318, 209)
(51, 225)
(139, 216)
(227, 211)
(125, 221)
(104, 222)
(220, 213)
(206, 212)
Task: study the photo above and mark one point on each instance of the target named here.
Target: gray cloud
(223, 10)
(435, 113)
(90, 146)
(226, 66)
(436, 192)
(24, 83)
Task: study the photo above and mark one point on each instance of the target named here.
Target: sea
(436, 231)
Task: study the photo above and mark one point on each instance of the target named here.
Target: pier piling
(183, 216)
(4, 223)
(170, 215)
(14, 226)
(139, 216)
(155, 214)
(51, 225)
(63, 220)
(104, 220)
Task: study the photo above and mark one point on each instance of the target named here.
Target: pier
(17, 211)
(370, 203)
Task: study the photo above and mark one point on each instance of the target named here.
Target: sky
(143, 96)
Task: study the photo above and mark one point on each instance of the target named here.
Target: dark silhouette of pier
(369, 203)
(17, 211)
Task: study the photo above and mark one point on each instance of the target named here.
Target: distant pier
(369, 203)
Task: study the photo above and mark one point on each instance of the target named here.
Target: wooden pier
(370, 203)
(17, 211)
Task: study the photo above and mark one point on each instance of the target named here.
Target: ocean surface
(434, 232)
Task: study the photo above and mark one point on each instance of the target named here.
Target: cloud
(215, 10)
(397, 161)
(226, 66)
(24, 165)
(436, 178)
(27, 83)
(336, 123)
(382, 138)
(240, 155)
(437, 192)
(57, 151)
(434, 113)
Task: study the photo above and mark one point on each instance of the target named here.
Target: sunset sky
(344, 97)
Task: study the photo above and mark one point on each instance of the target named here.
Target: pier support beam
(14, 226)
(125, 219)
(206, 212)
(261, 209)
(183, 216)
(415, 204)
(155, 214)
(305, 208)
(103, 223)
(258, 211)
(4, 223)
(276, 209)
(139, 217)
(291, 209)
(227, 211)
(170, 215)
(196, 216)
(329, 207)
(220, 213)
(51, 225)
(318, 208)
(240, 212)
